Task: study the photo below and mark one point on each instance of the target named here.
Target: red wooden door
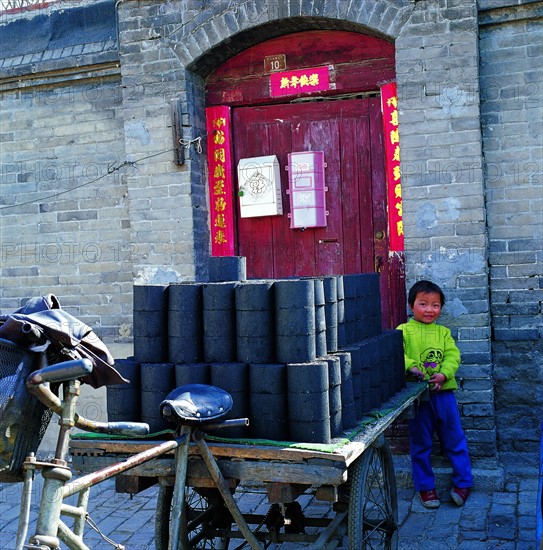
(349, 133)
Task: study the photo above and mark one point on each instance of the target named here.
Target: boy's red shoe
(460, 495)
(429, 499)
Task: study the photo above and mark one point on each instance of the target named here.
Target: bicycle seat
(196, 404)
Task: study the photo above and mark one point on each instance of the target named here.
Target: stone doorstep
(521, 465)
(488, 476)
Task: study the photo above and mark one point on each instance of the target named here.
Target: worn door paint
(355, 238)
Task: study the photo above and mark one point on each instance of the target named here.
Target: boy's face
(427, 307)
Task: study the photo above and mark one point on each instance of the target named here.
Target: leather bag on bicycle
(64, 338)
(39, 330)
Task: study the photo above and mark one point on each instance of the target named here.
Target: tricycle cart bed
(355, 474)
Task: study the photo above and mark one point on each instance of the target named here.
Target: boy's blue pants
(440, 414)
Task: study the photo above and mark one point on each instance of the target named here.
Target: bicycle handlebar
(229, 423)
(38, 385)
(61, 372)
(113, 428)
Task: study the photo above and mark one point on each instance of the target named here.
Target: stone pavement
(503, 519)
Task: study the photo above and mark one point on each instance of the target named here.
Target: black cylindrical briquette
(227, 268)
(294, 293)
(192, 373)
(310, 432)
(308, 377)
(308, 407)
(148, 349)
(150, 297)
(185, 349)
(157, 377)
(268, 378)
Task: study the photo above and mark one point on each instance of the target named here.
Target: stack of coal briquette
(304, 359)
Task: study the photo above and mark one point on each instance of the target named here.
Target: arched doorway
(344, 121)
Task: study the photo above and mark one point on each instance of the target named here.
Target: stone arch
(204, 43)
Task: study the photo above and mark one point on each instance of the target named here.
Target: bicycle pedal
(274, 518)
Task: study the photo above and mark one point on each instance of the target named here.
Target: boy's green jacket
(432, 349)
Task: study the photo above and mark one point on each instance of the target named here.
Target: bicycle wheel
(205, 513)
(373, 502)
(162, 517)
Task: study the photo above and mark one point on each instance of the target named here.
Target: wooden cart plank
(232, 450)
(243, 470)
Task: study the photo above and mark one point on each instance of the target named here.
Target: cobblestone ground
(502, 520)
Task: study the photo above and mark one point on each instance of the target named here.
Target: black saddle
(196, 404)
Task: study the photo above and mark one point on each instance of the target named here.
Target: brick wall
(512, 110)
(167, 202)
(443, 196)
(64, 218)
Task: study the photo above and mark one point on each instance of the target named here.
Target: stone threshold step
(488, 477)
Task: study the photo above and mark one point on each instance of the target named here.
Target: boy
(431, 354)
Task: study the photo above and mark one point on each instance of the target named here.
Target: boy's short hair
(422, 287)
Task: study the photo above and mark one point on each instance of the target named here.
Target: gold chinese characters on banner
(300, 81)
(219, 163)
(389, 108)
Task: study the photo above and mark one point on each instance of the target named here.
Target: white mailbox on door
(259, 182)
(306, 189)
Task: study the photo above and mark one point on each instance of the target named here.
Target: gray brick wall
(512, 110)
(64, 220)
(443, 190)
(167, 201)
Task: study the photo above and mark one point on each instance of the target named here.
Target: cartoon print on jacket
(431, 358)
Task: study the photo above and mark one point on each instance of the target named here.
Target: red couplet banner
(389, 108)
(221, 195)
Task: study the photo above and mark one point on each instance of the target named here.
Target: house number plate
(275, 63)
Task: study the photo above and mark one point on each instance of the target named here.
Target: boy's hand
(436, 381)
(418, 374)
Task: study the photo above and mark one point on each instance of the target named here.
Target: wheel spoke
(373, 502)
(202, 513)
(201, 532)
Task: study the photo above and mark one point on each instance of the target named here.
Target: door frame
(360, 64)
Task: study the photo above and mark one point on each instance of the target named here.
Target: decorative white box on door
(259, 181)
(306, 189)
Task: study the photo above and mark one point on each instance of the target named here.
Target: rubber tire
(373, 502)
(162, 519)
(162, 516)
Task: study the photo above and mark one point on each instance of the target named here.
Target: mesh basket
(23, 419)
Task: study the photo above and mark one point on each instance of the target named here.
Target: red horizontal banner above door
(301, 81)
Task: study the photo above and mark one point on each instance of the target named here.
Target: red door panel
(325, 256)
(351, 135)
(380, 237)
(342, 130)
